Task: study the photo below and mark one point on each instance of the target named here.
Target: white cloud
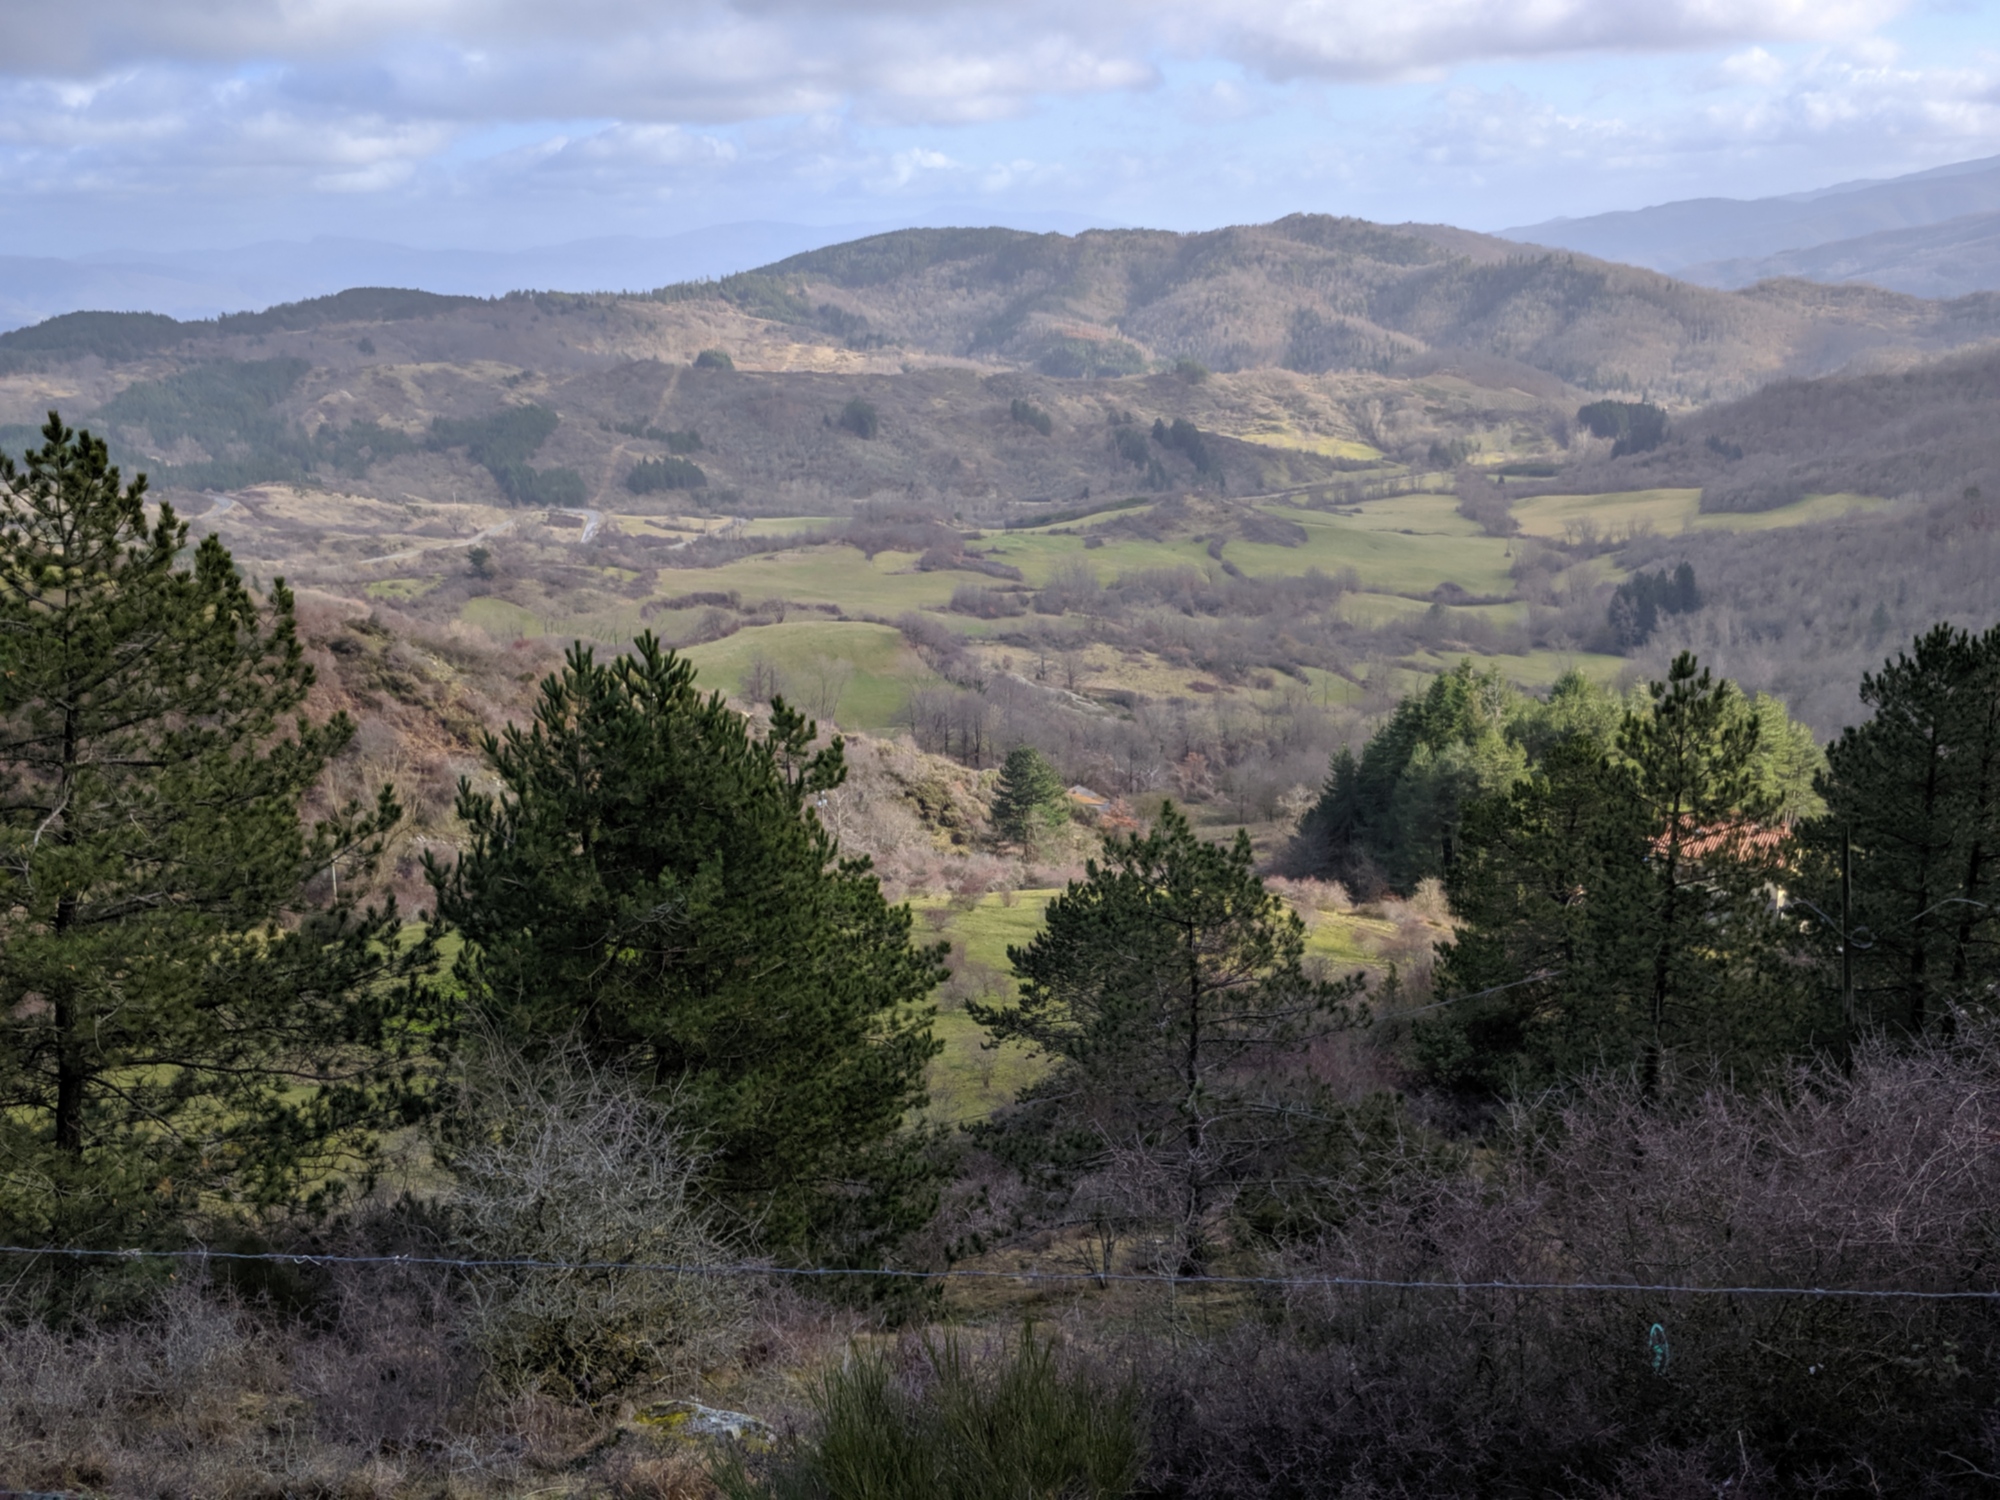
(759, 106)
(692, 60)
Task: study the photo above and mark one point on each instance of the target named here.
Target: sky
(505, 124)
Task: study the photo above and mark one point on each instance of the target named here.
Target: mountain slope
(1951, 259)
(1313, 294)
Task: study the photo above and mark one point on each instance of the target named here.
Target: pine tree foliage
(1621, 907)
(1393, 813)
(179, 1031)
(1169, 989)
(1916, 789)
(1030, 802)
(651, 879)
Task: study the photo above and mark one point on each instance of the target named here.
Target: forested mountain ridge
(1315, 293)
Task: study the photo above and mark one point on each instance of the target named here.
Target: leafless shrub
(568, 1163)
(1880, 1179)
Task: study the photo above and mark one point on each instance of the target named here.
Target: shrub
(1193, 371)
(713, 359)
(985, 603)
(567, 1163)
(1027, 414)
(939, 1424)
(860, 418)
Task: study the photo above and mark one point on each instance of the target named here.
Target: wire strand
(1363, 1283)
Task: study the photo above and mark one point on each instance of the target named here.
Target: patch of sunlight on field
(1039, 556)
(1395, 561)
(1672, 510)
(500, 619)
(1419, 515)
(832, 573)
(868, 665)
(1346, 940)
(968, 1080)
(403, 588)
(1372, 610)
(1278, 436)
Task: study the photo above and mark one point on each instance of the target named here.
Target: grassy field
(1670, 511)
(857, 674)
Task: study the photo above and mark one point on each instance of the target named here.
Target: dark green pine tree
(1030, 803)
(1168, 987)
(179, 1034)
(651, 879)
(1541, 964)
(1916, 789)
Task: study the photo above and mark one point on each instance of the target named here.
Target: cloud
(1154, 110)
(949, 60)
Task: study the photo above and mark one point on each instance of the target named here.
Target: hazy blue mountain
(1935, 260)
(204, 283)
(1699, 231)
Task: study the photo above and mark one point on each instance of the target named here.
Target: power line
(1356, 1283)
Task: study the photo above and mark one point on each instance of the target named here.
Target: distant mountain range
(209, 282)
(1309, 293)
(1931, 234)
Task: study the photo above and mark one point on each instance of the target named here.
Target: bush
(1193, 371)
(564, 1162)
(939, 1424)
(1501, 1394)
(713, 359)
(985, 603)
(1027, 414)
(860, 418)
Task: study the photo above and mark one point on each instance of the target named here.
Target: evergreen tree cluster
(1634, 426)
(1616, 907)
(676, 440)
(502, 444)
(1394, 814)
(649, 879)
(1027, 414)
(1186, 439)
(649, 475)
(201, 1027)
(860, 418)
(1637, 603)
(1913, 814)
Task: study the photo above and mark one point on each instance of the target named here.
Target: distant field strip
(1670, 511)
